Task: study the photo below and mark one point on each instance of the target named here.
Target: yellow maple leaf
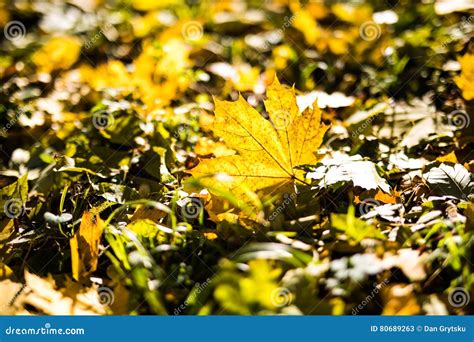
(268, 151)
(206, 146)
(85, 245)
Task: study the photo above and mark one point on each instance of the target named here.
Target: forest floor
(231, 157)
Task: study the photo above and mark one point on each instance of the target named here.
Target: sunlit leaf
(85, 245)
(268, 150)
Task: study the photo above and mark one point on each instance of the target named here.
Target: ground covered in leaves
(236, 157)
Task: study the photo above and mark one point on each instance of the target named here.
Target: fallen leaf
(268, 150)
(45, 297)
(210, 235)
(85, 245)
(386, 198)
(344, 168)
(448, 158)
(452, 180)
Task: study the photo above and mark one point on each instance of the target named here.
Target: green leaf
(273, 251)
(354, 227)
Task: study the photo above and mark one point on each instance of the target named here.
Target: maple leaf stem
(299, 180)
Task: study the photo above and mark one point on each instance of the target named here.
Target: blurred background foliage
(104, 106)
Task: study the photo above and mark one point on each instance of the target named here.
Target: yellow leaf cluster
(156, 76)
(57, 53)
(352, 13)
(335, 40)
